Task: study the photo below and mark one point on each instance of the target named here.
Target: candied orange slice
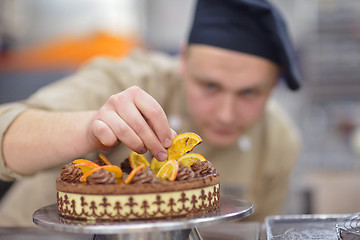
(189, 159)
(136, 160)
(114, 169)
(84, 161)
(183, 143)
(85, 166)
(155, 165)
(104, 159)
(133, 172)
(88, 173)
(169, 170)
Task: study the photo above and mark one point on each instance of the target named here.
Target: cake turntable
(180, 228)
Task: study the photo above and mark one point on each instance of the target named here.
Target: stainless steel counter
(233, 230)
(37, 233)
(228, 231)
(290, 227)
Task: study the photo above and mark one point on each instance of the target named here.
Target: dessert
(103, 192)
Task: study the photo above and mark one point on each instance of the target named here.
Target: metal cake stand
(177, 228)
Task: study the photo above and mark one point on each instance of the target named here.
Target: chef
(218, 87)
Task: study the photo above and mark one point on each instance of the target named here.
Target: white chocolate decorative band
(138, 206)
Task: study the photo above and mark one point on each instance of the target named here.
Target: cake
(137, 190)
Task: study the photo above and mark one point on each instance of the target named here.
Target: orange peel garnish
(182, 144)
(133, 172)
(104, 159)
(114, 169)
(88, 173)
(85, 166)
(169, 170)
(111, 168)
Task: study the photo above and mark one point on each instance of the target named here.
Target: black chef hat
(250, 26)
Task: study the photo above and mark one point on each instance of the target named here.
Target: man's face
(226, 91)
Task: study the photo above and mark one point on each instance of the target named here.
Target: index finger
(156, 118)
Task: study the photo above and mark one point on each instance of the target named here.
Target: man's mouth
(223, 130)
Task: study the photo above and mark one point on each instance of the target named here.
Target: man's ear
(183, 50)
(281, 71)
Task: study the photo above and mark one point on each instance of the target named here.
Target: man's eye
(249, 93)
(210, 87)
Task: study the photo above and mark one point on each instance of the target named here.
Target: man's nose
(226, 109)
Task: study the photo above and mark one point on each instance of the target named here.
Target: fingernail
(143, 150)
(174, 134)
(167, 143)
(162, 156)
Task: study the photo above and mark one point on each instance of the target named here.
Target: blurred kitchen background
(42, 41)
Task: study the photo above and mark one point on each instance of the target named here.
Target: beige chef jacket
(258, 172)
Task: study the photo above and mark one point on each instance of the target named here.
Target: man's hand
(39, 139)
(135, 119)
